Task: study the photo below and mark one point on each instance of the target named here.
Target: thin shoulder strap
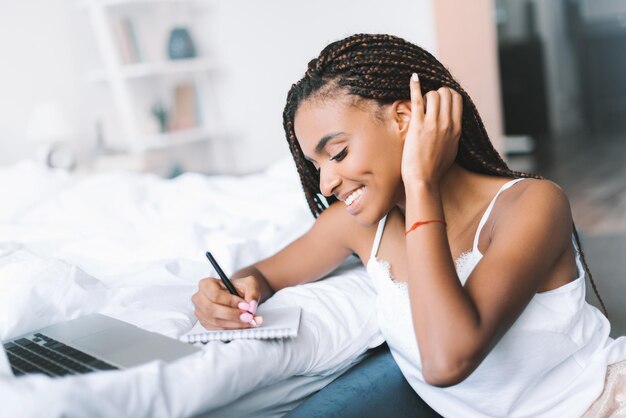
(379, 235)
(483, 220)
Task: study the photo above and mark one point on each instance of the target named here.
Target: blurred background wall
(39, 65)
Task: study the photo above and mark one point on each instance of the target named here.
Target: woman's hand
(216, 308)
(432, 139)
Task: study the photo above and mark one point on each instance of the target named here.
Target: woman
(478, 269)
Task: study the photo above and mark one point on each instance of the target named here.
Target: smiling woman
(479, 274)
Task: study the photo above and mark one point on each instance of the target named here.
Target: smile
(354, 196)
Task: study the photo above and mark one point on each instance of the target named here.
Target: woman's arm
(318, 252)
(309, 258)
(457, 326)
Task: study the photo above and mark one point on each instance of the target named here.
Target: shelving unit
(157, 75)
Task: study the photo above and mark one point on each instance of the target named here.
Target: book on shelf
(127, 41)
(184, 107)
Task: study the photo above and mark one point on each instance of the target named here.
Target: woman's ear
(401, 115)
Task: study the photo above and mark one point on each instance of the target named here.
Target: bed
(131, 246)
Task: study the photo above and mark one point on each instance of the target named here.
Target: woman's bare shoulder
(534, 200)
(540, 191)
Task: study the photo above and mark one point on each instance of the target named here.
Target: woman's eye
(342, 154)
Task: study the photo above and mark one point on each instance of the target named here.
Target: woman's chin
(367, 219)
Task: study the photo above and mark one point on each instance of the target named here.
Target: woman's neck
(460, 192)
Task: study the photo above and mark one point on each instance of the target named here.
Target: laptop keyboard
(42, 354)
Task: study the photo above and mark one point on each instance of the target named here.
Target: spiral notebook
(277, 323)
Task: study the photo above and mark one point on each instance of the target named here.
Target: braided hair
(378, 67)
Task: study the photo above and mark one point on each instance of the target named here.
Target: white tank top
(551, 362)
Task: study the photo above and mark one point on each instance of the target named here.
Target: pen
(226, 281)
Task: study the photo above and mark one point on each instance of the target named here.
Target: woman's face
(357, 153)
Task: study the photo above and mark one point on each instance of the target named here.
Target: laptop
(87, 344)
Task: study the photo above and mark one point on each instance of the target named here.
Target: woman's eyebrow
(320, 145)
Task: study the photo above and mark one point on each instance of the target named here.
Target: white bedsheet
(131, 246)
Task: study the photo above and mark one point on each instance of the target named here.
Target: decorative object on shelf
(162, 116)
(61, 155)
(176, 170)
(50, 129)
(180, 45)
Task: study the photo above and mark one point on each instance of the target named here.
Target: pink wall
(467, 45)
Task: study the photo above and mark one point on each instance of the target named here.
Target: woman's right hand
(216, 308)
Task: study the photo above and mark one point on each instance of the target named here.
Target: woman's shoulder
(531, 229)
(542, 192)
(534, 200)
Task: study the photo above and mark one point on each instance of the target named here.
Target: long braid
(378, 67)
(593, 284)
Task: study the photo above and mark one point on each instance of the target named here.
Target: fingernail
(245, 317)
(258, 320)
(253, 306)
(243, 306)
(254, 324)
(415, 77)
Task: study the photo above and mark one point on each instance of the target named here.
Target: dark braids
(378, 67)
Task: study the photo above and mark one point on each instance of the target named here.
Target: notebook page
(277, 323)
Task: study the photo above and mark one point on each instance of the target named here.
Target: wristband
(420, 223)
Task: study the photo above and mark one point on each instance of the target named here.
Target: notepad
(277, 323)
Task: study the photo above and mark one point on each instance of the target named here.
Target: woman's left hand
(432, 139)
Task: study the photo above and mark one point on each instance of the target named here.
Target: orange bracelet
(420, 223)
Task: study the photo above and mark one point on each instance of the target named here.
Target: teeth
(354, 196)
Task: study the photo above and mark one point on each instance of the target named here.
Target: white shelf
(153, 69)
(176, 138)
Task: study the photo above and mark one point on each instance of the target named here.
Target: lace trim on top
(386, 267)
(461, 262)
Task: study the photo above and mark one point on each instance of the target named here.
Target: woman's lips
(354, 199)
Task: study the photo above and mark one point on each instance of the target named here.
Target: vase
(180, 45)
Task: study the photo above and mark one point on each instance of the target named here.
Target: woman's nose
(329, 181)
